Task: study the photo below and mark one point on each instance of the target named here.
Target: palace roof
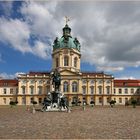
(8, 82)
(126, 82)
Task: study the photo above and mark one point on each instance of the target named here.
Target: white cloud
(16, 33)
(10, 76)
(41, 49)
(109, 32)
(41, 17)
(110, 69)
(129, 77)
(7, 76)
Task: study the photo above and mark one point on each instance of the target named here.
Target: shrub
(134, 102)
(73, 103)
(12, 103)
(79, 102)
(92, 103)
(34, 102)
(112, 103)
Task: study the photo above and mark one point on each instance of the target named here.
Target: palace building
(75, 84)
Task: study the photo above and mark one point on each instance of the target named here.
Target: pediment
(69, 72)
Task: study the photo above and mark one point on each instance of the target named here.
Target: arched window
(31, 89)
(65, 86)
(74, 87)
(108, 89)
(23, 89)
(84, 90)
(92, 90)
(75, 62)
(57, 62)
(66, 61)
(39, 89)
(100, 89)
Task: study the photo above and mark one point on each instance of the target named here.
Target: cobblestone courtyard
(96, 123)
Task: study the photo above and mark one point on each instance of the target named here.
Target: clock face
(65, 51)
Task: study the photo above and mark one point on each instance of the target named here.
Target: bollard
(84, 106)
(33, 111)
(69, 110)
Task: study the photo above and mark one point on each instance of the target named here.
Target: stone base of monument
(54, 107)
(54, 103)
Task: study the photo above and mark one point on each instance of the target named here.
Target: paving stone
(94, 123)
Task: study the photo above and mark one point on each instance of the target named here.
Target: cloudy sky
(109, 33)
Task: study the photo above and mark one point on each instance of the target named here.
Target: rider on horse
(56, 79)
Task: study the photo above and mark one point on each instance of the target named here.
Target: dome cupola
(66, 31)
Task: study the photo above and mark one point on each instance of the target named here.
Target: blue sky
(108, 32)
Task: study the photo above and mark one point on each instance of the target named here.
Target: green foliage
(73, 103)
(34, 102)
(134, 102)
(92, 103)
(79, 102)
(12, 103)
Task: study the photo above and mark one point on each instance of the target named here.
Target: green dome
(66, 41)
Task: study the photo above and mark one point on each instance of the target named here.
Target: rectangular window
(100, 90)
(126, 99)
(114, 91)
(120, 100)
(132, 90)
(4, 100)
(120, 90)
(48, 89)
(31, 100)
(138, 91)
(23, 100)
(100, 99)
(4, 91)
(108, 100)
(11, 90)
(16, 90)
(126, 90)
(23, 90)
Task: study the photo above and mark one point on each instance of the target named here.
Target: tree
(134, 102)
(112, 103)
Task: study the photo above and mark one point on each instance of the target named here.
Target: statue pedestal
(56, 103)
